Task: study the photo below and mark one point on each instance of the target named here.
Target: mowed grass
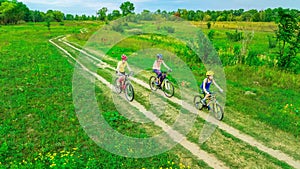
(39, 127)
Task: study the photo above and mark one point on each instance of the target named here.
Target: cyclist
(121, 70)
(156, 69)
(206, 85)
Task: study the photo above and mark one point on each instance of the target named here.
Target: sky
(90, 7)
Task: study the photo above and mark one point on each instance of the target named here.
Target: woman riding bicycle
(156, 69)
(205, 86)
(121, 69)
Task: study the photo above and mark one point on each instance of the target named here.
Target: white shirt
(157, 64)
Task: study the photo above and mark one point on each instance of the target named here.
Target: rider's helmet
(124, 57)
(159, 56)
(209, 73)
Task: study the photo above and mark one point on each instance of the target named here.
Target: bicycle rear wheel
(197, 102)
(117, 87)
(218, 112)
(152, 84)
(129, 92)
(168, 88)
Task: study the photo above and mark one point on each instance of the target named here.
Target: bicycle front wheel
(197, 102)
(218, 111)
(117, 87)
(168, 88)
(129, 92)
(152, 84)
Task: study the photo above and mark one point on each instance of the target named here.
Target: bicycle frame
(163, 74)
(212, 100)
(166, 86)
(125, 86)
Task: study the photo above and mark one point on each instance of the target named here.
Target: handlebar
(170, 70)
(127, 74)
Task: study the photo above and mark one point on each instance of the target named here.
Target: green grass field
(39, 127)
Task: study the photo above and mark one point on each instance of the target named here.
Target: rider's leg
(121, 79)
(123, 82)
(203, 101)
(162, 77)
(158, 73)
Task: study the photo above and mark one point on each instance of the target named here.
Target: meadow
(39, 127)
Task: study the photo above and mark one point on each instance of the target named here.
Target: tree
(269, 15)
(37, 16)
(7, 12)
(102, 13)
(116, 14)
(199, 15)
(288, 36)
(69, 17)
(146, 15)
(21, 12)
(49, 16)
(12, 11)
(84, 17)
(191, 15)
(58, 16)
(127, 8)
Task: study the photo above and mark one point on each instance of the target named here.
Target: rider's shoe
(203, 102)
(156, 83)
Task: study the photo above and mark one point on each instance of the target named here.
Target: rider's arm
(204, 86)
(221, 90)
(165, 65)
(118, 67)
(129, 67)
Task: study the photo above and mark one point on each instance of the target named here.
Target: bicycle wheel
(129, 92)
(117, 87)
(218, 112)
(152, 84)
(168, 88)
(197, 102)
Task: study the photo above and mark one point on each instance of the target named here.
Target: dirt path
(236, 133)
(176, 136)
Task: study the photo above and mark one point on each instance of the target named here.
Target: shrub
(272, 42)
(118, 28)
(211, 34)
(252, 59)
(169, 29)
(235, 37)
(208, 25)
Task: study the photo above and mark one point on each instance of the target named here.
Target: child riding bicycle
(121, 70)
(205, 86)
(156, 69)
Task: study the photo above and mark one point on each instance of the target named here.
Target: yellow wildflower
(52, 165)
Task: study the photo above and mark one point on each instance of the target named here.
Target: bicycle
(127, 87)
(166, 86)
(212, 104)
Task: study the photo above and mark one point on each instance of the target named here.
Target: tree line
(13, 12)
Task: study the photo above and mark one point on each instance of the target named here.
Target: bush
(211, 34)
(208, 25)
(252, 59)
(235, 37)
(169, 29)
(118, 28)
(272, 42)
